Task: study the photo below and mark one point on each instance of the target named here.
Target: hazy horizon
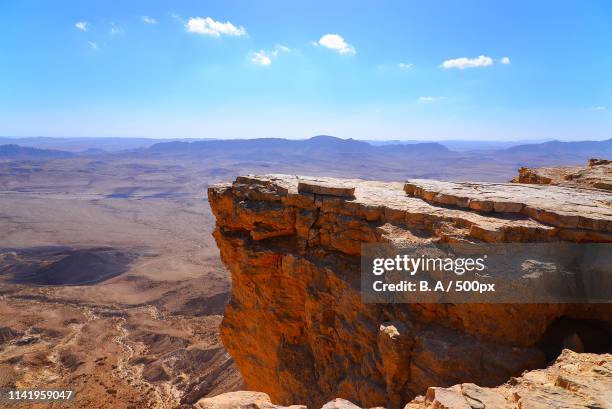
(515, 141)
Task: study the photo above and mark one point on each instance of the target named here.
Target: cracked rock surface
(558, 206)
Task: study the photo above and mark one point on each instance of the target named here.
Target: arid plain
(116, 295)
(110, 281)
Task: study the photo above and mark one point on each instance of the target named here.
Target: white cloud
(598, 108)
(337, 43)
(94, 46)
(404, 66)
(464, 62)
(430, 99)
(149, 20)
(81, 25)
(263, 57)
(208, 26)
(505, 60)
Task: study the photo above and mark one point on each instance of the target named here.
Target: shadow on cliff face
(64, 265)
(579, 335)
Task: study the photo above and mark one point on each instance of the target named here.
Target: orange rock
(298, 329)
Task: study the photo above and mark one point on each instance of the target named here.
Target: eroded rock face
(597, 174)
(296, 325)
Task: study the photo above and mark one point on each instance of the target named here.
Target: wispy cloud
(82, 25)
(337, 43)
(265, 58)
(404, 66)
(505, 60)
(281, 48)
(598, 108)
(464, 62)
(208, 26)
(115, 30)
(94, 46)
(427, 99)
(149, 20)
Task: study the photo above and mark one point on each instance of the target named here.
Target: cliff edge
(296, 325)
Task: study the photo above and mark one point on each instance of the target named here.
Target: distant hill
(16, 152)
(557, 152)
(317, 147)
(563, 148)
(462, 145)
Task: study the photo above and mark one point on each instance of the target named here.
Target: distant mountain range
(324, 146)
(275, 148)
(109, 144)
(16, 152)
(328, 152)
(116, 144)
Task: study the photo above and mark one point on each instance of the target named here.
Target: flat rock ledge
(564, 207)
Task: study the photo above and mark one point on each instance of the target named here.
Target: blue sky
(494, 70)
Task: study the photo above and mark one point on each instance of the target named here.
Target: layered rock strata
(561, 207)
(296, 325)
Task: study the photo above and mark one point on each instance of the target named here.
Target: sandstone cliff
(296, 325)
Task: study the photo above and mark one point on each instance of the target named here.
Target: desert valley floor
(110, 280)
(97, 281)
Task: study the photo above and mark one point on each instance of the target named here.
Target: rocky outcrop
(241, 400)
(597, 174)
(296, 325)
(577, 381)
